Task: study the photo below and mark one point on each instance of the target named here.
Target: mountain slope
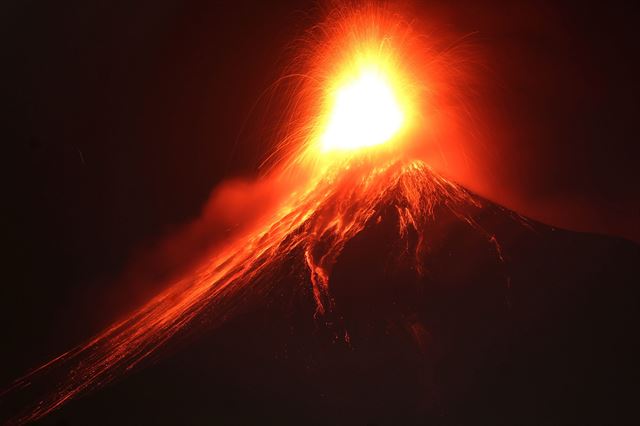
(424, 304)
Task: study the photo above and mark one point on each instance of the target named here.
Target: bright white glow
(365, 113)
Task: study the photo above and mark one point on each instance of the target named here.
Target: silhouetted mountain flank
(483, 318)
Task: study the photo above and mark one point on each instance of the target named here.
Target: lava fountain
(363, 100)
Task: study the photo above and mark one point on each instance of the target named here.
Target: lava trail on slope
(313, 227)
(420, 316)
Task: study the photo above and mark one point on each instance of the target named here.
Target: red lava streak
(318, 221)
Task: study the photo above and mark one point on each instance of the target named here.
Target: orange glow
(364, 88)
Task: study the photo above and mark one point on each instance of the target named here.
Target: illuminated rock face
(494, 324)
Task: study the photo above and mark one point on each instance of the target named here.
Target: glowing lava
(365, 113)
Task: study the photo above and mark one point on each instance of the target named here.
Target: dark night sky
(118, 119)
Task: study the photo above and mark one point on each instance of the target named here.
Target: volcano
(371, 289)
(383, 295)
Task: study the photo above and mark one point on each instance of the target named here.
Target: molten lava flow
(361, 98)
(313, 226)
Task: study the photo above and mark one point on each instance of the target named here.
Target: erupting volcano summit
(369, 259)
